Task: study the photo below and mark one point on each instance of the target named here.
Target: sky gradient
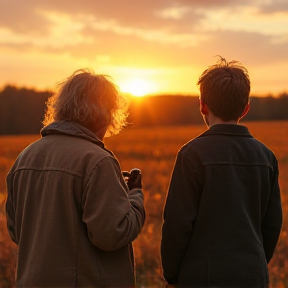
(159, 46)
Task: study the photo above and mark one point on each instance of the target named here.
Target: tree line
(22, 110)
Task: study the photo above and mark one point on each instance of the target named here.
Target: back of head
(89, 99)
(225, 89)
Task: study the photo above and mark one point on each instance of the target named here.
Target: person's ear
(203, 108)
(246, 109)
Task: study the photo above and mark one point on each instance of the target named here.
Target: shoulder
(193, 146)
(265, 151)
(191, 154)
(64, 153)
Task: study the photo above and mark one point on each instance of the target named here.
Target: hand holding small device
(133, 178)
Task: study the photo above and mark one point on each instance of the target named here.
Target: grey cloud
(275, 6)
(131, 51)
(252, 48)
(249, 48)
(125, 12)
(18, 48)
(21, 17)
(214, 3)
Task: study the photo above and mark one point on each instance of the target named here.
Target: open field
(153, 150)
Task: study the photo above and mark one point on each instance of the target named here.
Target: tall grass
(153, 150)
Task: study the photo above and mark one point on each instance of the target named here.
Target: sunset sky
(147, 46)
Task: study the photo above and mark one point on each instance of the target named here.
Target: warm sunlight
(138, 87)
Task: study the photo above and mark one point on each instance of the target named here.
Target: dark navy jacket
(223, 215)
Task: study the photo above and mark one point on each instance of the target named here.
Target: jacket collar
(227, 129)
(72, 129)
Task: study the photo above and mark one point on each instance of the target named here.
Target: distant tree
(164, 110)
(21, 110)
(268, 108)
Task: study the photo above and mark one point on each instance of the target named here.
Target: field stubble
(153, 150)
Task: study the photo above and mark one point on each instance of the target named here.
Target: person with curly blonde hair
(69, 209)
(91, 100)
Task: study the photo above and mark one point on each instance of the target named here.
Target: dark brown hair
(225, 89)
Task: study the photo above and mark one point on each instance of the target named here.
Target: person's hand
(133, 178)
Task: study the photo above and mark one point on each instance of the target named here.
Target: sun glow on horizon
(138, 87)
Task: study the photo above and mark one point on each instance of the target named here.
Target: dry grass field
(154, 151)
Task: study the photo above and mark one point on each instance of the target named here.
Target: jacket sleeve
(179, 215)
(113, 216)
(272, 223)
(10, 212)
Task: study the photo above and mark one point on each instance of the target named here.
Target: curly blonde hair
(90, 99)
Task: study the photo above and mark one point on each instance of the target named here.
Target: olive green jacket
(70, 212)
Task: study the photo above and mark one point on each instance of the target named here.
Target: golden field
(153, 150)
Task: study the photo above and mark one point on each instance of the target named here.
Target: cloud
(67, 31)
(212, 3)
(251, 48)
(163, 21)
(22, 17)
(85, 37)
(163, 34)
(275, 6)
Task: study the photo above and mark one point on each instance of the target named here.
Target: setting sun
(138, 87)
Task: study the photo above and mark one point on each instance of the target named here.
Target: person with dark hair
(70, 209)
(223, 215)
